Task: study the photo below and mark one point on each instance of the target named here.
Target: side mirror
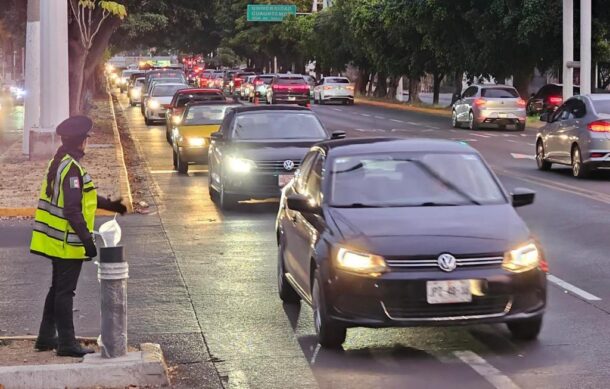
(545, 117)
(216, 136)
(522, 196)
(301, 203)
(338, 135)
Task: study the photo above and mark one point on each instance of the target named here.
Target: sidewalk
(20, 178)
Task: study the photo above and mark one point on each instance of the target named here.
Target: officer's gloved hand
(117, 207)
(90, 249)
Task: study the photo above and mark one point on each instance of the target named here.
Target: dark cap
(75, 127)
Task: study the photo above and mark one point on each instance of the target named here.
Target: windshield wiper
(433, 204)
(359, 205)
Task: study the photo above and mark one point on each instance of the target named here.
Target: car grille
(420, 309)
(427, 263)
(275, 166)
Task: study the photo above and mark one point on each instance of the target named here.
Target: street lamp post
(585, 47)
(568, 48)
(32, 74)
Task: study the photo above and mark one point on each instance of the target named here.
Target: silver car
(493, 106)
(334, 89)
(576, 134)
(158, 101)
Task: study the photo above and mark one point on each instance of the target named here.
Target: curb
(403, 107)
(124, 178)
(142, 368)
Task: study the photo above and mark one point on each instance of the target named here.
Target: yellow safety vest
(53, 237)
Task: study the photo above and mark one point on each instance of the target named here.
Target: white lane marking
(531, 144)
(463, 140)
(486, 370)
(365, 114)
(315, 354)
(433, 127)
(337, 109)
(396, 121)
(508, 135)
(453, 130)
(413, 123)
(480, 135)
(571, 288)
(379, 117)
(522, 156)
(523, 134)
(427, 130)
(512, 141)
(238, 380)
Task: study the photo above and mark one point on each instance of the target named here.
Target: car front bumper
(398, 299)
(156, 114)
(253, 185)
(295, 99)
(191, 154)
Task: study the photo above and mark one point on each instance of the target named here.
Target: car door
(318, 89)
(568, 128)
(308, 225)
(216, 151)
(464, 104)
(552, 132)
(292, 227)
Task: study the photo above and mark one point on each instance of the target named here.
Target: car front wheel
(285, 290)
(525, 329)
(330, 333)
(542, 163)
(454, 120)
(181, 165)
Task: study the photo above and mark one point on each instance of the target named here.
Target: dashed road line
(365, 114)
(315, 355)
(531, 144)
(512, 141)
(522, 156)
(571, 288)
(414, 123)
(379, 117)
(396, 121)
(486, 370)
(480, 135)
(337, 109)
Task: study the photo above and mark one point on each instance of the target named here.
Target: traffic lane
(239, 314)
(573, 234)
(11, 126)
(227, 263)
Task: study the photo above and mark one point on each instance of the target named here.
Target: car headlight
(523, 258)
(154, 104)
(177, 119)
(360, 262)
(240, 165)
(136, 92)
(195, 141)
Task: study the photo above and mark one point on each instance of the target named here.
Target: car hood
(203, 130)
(162, 99)
(274, 151)
(431, 230)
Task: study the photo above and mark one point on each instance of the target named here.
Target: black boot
(73, 349)
(45, 344)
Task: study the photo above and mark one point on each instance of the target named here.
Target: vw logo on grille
(446, 262)
(288, 165)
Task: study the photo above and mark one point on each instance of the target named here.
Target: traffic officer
(62, 232)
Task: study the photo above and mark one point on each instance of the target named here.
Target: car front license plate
(502, 115)
(447, 292)
(284, 179)
(291, 98)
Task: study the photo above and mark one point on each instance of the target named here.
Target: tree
(91, 24)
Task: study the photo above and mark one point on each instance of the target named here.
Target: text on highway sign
(269, 13)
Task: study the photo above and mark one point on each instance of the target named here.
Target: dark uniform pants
(57, 314)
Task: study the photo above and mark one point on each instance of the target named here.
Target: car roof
(494, 86)
(599, 96)
(200, 90)
(212, 102)
(359, 146)
(168, 83)
(265, 108)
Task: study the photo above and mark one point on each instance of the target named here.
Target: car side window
(557, 115)
(314, 180)
(572, 109)
(303, 172)
(471, 91)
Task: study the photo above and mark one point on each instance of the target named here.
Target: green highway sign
(269, 12)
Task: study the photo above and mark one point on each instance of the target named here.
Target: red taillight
(599, 126)
(543, 265)
(557, 100)
(521, 103)
(258, 82)
(480, 102)
(598, 155)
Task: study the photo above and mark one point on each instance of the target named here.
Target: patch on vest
(74, 183)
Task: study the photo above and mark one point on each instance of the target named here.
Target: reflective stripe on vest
(53, 236)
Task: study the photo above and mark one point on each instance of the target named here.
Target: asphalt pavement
(11, 125)
(204, 281)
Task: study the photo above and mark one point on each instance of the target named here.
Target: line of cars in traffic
(371, 232)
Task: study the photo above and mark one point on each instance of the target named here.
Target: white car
(135, 92)
(158, 101)
(334, 89)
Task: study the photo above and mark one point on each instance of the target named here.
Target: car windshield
(602, 106)
(278, 126)
(206, 114)
(337, 80)
(411, 180)
(139, 82)
(291, 80)
(166, 90)
(187, 98)
(502, 93)
(265, 80)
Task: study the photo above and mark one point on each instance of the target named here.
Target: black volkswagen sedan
(390, 232)
(258, 149)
